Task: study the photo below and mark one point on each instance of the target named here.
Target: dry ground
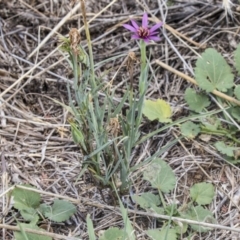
(36, 145)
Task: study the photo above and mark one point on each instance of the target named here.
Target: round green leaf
(197, 102)
(164, 234)
(237, 92)
(237, 59)
(190, 129)
(202, 193)
(157, 110)
(212, 72)
(60, 211)
(160, 175)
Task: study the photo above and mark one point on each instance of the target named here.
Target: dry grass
(36, 146)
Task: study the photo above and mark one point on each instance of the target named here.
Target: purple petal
(130, 28)
(153, 33)
(154, 38)
(135, 37)
(145, 20)
(134, 24)
(146, 40)
(156, 26)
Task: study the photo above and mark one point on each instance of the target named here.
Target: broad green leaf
(112, 233)
(202, 193)
(225, 149)
(29, 214)
(172, 210)
(158, 210)
(212, 123)
(237, 92)
(164, 234)
(180, 227)
(199, 214)
(30, 236)
(25, 199)
(60, 211)
(196, 101)
(237, 59)
(90, 228)
(235, 112)
(146, 200)
(44, 208)
(190, 129)
(212, 72)
(160, 175)
(157, 110)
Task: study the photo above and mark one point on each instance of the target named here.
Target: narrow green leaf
(190, 129)
(30, 236)
(237, 58)
(160, 175)
(225, 149)
(129, 231)
(196, 101)
(25, 199)
(202, 193)
(60, 211)
(212, 72)
(90, 228)
(157, 110)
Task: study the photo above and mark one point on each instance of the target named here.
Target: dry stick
(45, 40)
(39, 232)
(117, 210)
(191, 80)
(54, 30)
(64, 20)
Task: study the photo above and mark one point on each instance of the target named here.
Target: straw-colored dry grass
(36, 145)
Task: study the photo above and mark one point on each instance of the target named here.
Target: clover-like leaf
(202, 193)
(112, 233)
(22, 235)
(157, 110)
(25, 199)
(237, 58)
(190, 129)
(196, 101)
(225, 149)
(60, 211)
(146, 200)
(160, 175)
(199, 214)
(165, 233)
(212, 72)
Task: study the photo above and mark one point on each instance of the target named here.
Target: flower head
(144, 32)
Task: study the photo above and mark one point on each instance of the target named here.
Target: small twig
(49, 234)
(191, 80)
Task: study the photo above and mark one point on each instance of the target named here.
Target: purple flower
(143, 32)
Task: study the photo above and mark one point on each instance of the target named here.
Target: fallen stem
(191, 80)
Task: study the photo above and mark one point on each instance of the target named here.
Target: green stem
(162, 199)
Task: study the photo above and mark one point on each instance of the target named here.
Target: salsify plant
(106, 136)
